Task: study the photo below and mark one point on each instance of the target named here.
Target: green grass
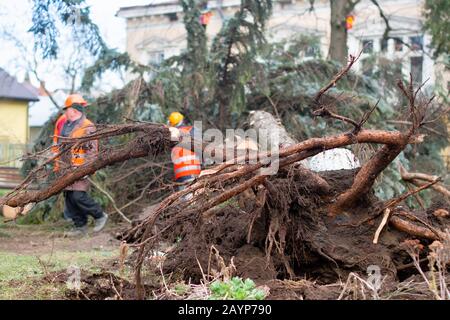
(21, 275)
(47, 227)
(3, 192)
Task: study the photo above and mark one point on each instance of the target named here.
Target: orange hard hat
(75, 99)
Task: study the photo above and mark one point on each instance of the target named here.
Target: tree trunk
(261, 121)
(224, 118)
(338, 40)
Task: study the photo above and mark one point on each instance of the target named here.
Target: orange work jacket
(185, 162)
(78, 154)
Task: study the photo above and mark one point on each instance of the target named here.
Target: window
(367, 46)
(312, 51)
(172, 16)
(397, 68)
(156, 57)
(367, 67)
(416, 69)
(384, 44)
(398, 44)
(416, 43)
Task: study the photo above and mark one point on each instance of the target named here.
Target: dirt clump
(103, 286)
(289, 236)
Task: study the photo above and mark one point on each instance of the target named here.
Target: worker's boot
(77, 232)
(100, 223)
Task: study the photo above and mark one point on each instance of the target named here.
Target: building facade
(14, 128)
(156, 31)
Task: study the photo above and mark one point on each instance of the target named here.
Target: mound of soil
(290, 236)
(104, 286)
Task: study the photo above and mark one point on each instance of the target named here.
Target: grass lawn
(21, 275)
(3, 192)
(28, 263)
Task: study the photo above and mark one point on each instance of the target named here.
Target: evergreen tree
(437, 23)
(195, 59)
(233, 54)
(49, 15)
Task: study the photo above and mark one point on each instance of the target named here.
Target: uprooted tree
(295, 220)
(292, 223)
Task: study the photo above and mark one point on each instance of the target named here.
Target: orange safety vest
(78, 157)
(185, 162)
(56, 134)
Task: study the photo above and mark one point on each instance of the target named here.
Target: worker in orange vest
(186, 163)
(78, 204)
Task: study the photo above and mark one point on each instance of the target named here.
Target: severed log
(270, 129)
(261, 121)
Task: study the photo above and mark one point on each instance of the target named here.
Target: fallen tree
(279, 229)
(295, 221)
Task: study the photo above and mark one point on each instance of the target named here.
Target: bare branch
(338, 77)
(385, 19)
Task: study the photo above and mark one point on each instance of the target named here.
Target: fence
(10, 154)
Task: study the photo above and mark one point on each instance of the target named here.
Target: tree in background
(195, 61)
(340, 9)
(234, 50)
(214, 80)
(437, 23)
(51, 16)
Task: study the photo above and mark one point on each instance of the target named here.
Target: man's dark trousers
(80, 205)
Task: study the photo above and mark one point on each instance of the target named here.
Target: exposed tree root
(416, 178)
(415, 230)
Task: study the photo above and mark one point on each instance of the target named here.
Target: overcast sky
(15, 16)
